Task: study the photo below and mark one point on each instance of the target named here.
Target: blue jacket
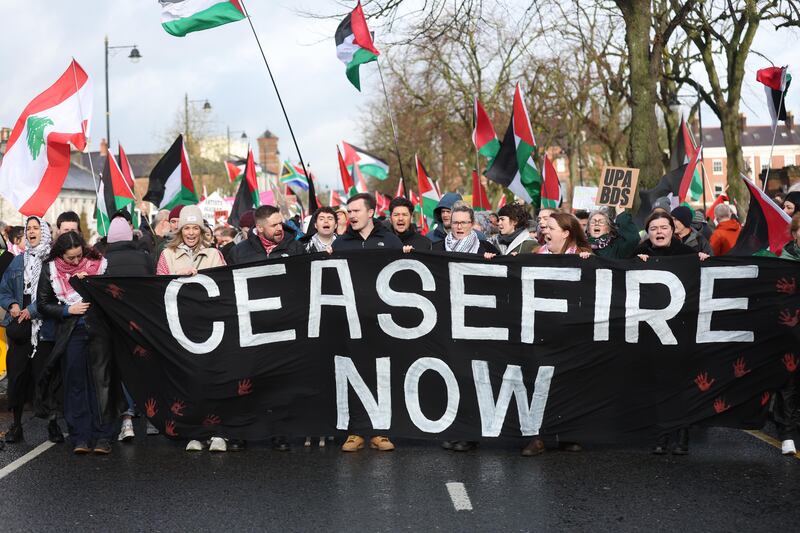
(11, 292)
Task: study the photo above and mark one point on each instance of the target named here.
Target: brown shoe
(353, 443)
(381, 443)
(534, 447)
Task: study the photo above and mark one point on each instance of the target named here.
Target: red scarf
(64, 271)
(267, 244)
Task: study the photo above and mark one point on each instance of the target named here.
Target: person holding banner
(614, 240)
(30, 335)
(563, 235)
(75, 350)
(400, 212)
(271, 238)
(661, 240)
(461, 237)
(322, 231)
(364, 231)
(514, 237)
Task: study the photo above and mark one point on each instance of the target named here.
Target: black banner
(431, 346)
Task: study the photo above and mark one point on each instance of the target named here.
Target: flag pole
(311, 190)
(775, 131)
(91, 164)
(394, 129)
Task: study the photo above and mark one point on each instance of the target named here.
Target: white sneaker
(194, 446)
(217, 445)
(787, 447)
(126, 432)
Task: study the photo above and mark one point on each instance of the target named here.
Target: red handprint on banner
(169, 428)
(140, 351)
(212, 420)
(177, 408)
(702, 381)
(740, 368)
(790, 362)
(150, 408)
(788, 319)
(786, 285)
(720, 405)
(765, 398)
(245, 387)
(134, 326)
(115, 291)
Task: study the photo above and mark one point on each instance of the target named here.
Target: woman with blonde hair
(191, 249)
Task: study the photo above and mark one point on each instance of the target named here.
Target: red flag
(480, 202)
(710, 212)
(767, 226)
(483, 136)
(400, 190)
(688, 175)
(551, 189)
(772, 77)
(502, 201)
(335, 200)
(347, 180)
(381, 202)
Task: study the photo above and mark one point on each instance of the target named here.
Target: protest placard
(617, 186)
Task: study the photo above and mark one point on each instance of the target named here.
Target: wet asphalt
(731, 481)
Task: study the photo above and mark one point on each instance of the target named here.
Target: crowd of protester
(59, 347)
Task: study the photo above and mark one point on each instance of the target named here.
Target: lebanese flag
(347, 179)
(171, 179)
(247, 194)
(179, 17)
(430, 198)
(513, 167)
(776, 82)
(551, 189)
(483, 136)
(354, 44)
(480, 202)
(335, 200)
(766, 227)
(114, 195)
(36, 160)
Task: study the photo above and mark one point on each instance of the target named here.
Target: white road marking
(459, 496)
(30, 456)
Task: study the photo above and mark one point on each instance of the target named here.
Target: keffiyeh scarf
(34, 256)
(467, 245)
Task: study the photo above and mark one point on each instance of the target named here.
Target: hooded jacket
(725, 236)
(252, 251)
(697, 242)
(379, 238)
(447, 201)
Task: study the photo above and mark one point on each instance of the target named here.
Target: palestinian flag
(114, 195)
(125, 167)
(689, 181)
(247, 194)
(667, 187)
(293, 175)
(36, 159)
(513, 167)
(347, 179)
(179, 17)
(368, 164)
(171, 179)
(401, 190)
(501, 202)
(483, 136)
(234, 169)
(776, 82)
(551, 188)
(684, 151)
(766, 227)
(430, 198)
(381, 203)
(354, 44)
(480, 202)
(335, 200)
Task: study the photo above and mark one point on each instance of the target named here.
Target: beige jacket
(173, 261)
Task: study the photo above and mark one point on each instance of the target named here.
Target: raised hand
(786, 285)
(177, 408)
(702, 381)
(245, 387)
(740, 368)
(787, 319)
(169, 429)
(150, 408)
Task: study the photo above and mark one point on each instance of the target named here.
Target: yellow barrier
(3, 350)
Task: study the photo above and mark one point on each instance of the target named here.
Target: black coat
(101, 366)
(126, 258)
(227, 252)
(483, 247)
(379, 238)
(412, 238)
(676, 247)
(252, 251)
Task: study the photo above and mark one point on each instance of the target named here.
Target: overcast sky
(224, 66)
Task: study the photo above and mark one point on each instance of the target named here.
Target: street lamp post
(186, 102)
(134, 56)
(228, 135)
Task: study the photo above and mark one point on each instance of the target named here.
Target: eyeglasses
(460, 223)
(598, 223)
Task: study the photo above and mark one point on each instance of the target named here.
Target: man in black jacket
(271, 238)
(364, 231)
(400, 210)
